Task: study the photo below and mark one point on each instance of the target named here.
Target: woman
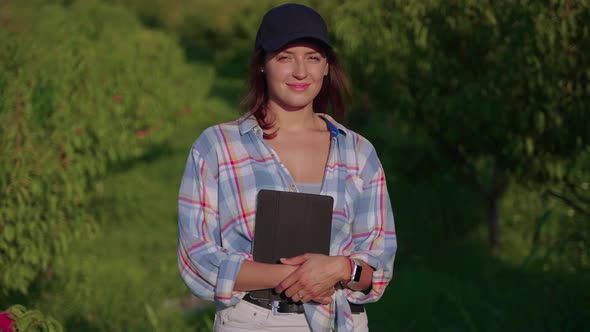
(286, 142)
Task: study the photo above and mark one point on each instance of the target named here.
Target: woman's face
(295, 74)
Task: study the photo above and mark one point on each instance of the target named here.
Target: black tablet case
(290, 224)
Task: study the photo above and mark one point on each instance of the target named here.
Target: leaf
(8, 232)
(530, 146)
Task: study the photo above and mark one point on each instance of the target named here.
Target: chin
(301, 100)
(294, 101)
(297, 104)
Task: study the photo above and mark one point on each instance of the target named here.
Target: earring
(261, 70)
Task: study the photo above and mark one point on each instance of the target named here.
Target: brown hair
(332, 94)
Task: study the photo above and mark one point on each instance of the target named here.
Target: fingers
(311, 281)
(305, 299)
(293, 277)
(298, 293)
(300, 297)
(297, 260)
(292, 291)
(287, 283)
(325, 297)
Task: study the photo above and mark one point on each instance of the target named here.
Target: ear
(326, 70)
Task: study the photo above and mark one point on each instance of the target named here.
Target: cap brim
(275, 44)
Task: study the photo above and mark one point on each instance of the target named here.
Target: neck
(294, 120)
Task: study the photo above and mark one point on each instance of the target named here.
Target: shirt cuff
(379, 282)
(226, 279)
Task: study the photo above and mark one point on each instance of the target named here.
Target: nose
(300, 70)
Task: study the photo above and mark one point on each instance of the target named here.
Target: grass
(466, 289)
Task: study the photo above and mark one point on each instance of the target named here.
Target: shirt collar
(334, 127)
(248, 122)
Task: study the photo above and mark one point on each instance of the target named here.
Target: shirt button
(292, 187)
(257, 131)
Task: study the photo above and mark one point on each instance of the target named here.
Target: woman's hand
(325, 298)
(315, 278)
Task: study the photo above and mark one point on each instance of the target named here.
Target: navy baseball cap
(287, 23)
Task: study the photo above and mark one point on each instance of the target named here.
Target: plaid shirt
(227, 166)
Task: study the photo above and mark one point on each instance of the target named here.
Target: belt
(284, 307)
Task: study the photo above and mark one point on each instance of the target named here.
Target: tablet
(289, 224)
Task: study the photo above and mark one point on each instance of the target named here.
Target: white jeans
(246, 316)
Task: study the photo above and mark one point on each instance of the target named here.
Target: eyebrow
(306, 53)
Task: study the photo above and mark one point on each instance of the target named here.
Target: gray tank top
(309, 188)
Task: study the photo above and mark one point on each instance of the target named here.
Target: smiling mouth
(298, 86)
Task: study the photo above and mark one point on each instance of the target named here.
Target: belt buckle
(275, 309)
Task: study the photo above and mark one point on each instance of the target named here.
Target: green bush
(82, 86)
(32, 320)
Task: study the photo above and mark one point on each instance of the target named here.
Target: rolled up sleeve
(208, 270)
(374, 234)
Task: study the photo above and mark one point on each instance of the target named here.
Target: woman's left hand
(317, 275)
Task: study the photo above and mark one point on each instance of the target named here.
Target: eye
(315, 58)
(282, 57)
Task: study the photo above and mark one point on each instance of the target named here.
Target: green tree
(82, 86)
(499, 89)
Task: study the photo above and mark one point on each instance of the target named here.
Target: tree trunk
(498, 188)
(493, 220)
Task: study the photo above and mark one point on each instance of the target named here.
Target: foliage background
(478, 111)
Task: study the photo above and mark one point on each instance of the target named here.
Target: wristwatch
(357, 271)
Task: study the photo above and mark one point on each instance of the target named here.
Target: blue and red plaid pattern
(227, 166)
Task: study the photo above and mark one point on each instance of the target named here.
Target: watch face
(358, 270)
